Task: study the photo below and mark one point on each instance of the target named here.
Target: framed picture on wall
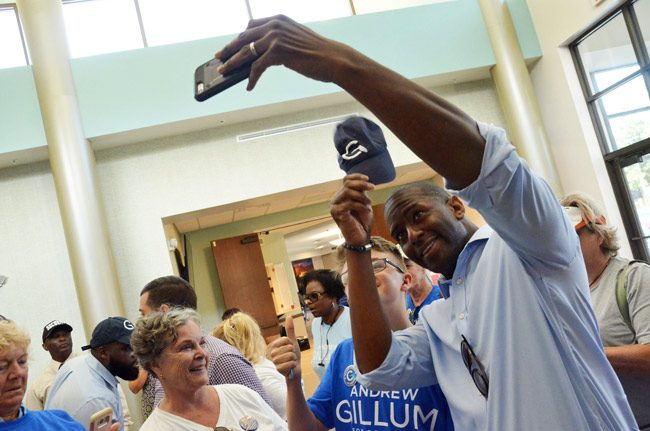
(301, 267)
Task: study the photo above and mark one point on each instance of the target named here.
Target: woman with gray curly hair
(171, 346)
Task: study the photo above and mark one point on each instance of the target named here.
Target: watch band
(359, 248)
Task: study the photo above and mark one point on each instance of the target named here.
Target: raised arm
(442, 135)
(285, 354)
(351, 209)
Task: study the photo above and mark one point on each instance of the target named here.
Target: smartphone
(102, 420)
(208, 82)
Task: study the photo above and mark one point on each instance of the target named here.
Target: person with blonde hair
(14, 367)
(620, 296)
(242, 331)
(172, 347)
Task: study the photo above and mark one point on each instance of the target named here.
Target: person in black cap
(57, 341)
(88, 384)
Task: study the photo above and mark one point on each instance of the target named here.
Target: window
(614, 69)
(12, 49)
(171, 21)
(100, 26)
(301, 10)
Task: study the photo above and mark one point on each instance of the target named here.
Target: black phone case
(213, 82)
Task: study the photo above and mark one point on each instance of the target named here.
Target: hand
(115, 426)
(285, 353)
(281, 41)
(351, 209)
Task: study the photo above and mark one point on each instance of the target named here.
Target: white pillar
(72, 162)
(516, 94)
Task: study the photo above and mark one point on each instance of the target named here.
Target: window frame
(619, 159)
(14, 6)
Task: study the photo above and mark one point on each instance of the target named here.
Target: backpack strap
(621, 294)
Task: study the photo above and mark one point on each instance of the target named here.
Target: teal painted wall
(524, 27)
(147, 87)
(21, 126)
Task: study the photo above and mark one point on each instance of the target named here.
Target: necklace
(327, 334)
(591, 285)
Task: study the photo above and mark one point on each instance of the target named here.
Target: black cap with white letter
(362, 149)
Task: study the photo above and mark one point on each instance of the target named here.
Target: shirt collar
(101, 370)
(21, 413)
(480, 236)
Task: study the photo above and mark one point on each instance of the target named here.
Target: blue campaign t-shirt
(342, 403)
(414, 311)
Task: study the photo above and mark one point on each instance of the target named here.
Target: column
(72, 162)
(516, 94)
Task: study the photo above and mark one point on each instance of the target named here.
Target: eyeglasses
(378, 265)
(313, 297)
(474, 367)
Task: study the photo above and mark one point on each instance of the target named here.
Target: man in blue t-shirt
(340, 401)
(423, 290)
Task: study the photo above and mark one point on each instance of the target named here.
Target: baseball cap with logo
(362, 149)
(53, 326)
(111, 330)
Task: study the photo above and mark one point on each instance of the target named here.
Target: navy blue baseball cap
(111, 330)
(362, 149)
(53, 326)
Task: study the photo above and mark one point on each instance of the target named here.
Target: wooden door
(379, 227)
(244, 283)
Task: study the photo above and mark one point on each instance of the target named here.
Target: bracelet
(359, 248)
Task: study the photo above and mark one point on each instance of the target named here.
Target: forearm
(370, 330)
(630, 360)
(442, 135)
(299, 415)
(136, 385)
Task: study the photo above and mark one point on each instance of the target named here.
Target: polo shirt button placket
(461, 312)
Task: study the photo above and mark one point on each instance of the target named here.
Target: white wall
(35, 258)
(569, 128)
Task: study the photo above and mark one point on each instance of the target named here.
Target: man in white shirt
(58, 342)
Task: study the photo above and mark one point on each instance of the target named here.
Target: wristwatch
(359, 248)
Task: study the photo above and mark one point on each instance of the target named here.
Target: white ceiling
(302, 236)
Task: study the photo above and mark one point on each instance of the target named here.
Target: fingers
(291, 332)
(237, 52)
(354, 192)
(284, 354)
(358, 182)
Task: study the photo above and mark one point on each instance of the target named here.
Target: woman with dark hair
(323, 290)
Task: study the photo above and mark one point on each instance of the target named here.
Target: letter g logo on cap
(353, 149)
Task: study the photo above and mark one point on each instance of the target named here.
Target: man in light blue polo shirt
(515, 345)
(87, 384)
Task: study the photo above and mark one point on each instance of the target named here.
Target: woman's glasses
(474, 367)
(313, 297)
(378, 265)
